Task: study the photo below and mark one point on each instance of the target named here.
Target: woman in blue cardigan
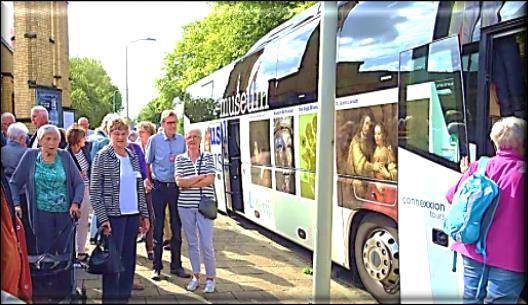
(55, 191)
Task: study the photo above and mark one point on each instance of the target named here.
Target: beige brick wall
(7, 79)
(7, 91)
(44, 59)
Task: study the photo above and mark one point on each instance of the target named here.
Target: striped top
(83, 163)
(190, 197)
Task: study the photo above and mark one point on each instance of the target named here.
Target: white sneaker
(209, 286)
(193, 284)
(156, 275)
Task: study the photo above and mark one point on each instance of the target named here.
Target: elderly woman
(118, 199)
(505, 274)
(76, 139)
(55, 191)
(194, 174)
(145, 130)
(11, 154)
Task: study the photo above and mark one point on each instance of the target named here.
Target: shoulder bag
(207, 205)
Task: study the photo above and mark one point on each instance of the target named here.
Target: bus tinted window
(431, 116)
(297, 67)
(264, 70)
(371, 38)
(284, 154)
(259, 143)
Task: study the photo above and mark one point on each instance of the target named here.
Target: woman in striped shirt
(194, 173)
(76, 139)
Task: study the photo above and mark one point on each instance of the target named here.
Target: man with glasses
(162, 149)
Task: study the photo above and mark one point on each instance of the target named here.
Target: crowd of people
(114, 180)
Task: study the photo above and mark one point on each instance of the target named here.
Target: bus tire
(377, 257)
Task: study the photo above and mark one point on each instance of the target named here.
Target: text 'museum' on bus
(419, 85)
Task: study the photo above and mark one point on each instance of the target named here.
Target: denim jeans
(498, 286)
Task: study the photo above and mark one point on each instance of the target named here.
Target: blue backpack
(472, 210)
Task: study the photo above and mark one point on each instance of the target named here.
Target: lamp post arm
(126, 78)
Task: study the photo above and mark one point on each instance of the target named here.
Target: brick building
(8, 97)
(40, 59)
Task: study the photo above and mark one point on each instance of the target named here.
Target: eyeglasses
(192, 137)
(170, 123)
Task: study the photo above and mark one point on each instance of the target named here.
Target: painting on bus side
(366, 147)
(259, 143)
(307, 140)
(284, 152)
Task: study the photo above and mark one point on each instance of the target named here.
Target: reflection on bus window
(284, 153)
(292, 48)
(371, 39)
(308, 140)
(432, 120)
(259, 143)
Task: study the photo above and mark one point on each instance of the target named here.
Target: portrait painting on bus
(284, 152)
(366, 146)
(308, 140)
(207, 140)
(259, 144)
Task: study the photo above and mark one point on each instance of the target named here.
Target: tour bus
(418, 86)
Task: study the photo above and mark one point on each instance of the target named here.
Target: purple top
(506, 243)
(141, 156)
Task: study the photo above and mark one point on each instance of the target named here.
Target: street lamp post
(126, 69)
(113, 101)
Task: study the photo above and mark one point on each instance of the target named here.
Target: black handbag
(105, 258)
(207, 205)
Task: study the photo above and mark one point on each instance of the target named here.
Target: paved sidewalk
(251, 268)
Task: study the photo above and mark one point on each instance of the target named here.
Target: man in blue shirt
(162, 149)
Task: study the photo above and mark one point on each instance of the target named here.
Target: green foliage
(226, 34)
(92, 90)
(307, 270)
(201, 109)
(152, 111)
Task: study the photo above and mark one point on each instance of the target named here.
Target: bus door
(502, 78)
(232, 166)
(214, 138)
(431, 141)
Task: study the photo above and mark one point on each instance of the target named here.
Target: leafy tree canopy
(93, 93)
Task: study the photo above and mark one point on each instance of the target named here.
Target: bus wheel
(377, 257)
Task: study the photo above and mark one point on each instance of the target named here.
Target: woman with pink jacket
(505, 274)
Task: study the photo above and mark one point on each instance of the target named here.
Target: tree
(92, 90)
(226, 34)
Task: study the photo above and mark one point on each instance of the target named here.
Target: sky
(102, 30)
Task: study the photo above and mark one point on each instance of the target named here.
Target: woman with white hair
(17, 135)
(505, 272)
(15, 147)
(55, 191)
(194, 174)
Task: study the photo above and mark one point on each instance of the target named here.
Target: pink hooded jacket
(506, 242)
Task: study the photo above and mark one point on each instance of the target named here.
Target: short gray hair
(509, 133)
(45, 129)
(41, 110)
(197, 130)
(16, 130)
(7, 114)
(167, 113)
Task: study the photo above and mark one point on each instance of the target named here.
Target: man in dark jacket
(39, 117)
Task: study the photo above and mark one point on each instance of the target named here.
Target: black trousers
(163, 194)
